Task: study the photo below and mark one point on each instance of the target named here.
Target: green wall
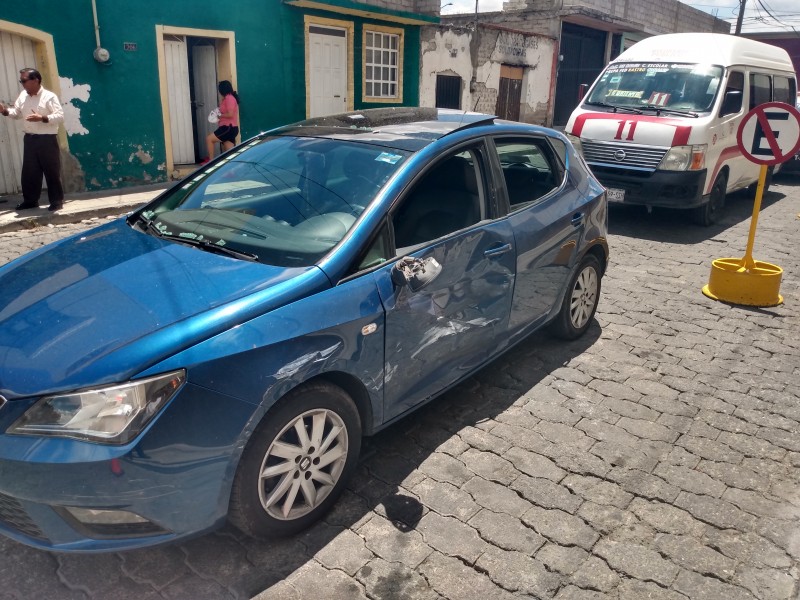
(124, 143)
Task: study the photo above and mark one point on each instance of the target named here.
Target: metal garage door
(16, 52)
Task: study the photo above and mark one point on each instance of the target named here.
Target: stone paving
(655, 458)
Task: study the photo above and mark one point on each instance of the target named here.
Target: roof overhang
(359, 9)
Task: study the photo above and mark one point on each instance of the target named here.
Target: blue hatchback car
(219, 353)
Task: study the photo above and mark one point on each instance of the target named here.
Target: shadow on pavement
(227, 564)
(676, 226)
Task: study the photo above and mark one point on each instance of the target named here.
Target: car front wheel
(580, 301)
(297, 462)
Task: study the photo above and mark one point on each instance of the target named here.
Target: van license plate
(615, 195)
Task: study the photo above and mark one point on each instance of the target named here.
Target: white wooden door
(204, 71)
(328, 71)
(16, 52)
(180, 101)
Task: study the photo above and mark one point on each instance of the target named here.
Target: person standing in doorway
(41, 155)
(228, 121)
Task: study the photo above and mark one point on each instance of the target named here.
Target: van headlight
(576, 141)
(684, 158)
(113, 415)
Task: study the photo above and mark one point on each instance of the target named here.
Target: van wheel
(753, 187)
(297, 462)
(580, 301)
(710, 212)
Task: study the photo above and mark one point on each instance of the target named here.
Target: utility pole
(740, 17)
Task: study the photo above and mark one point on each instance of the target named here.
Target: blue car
(219, 353)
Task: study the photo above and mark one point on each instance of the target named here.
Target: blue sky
(760, 15)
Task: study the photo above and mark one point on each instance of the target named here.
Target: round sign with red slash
(770, 133)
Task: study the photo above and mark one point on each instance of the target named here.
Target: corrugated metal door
(16, 52)
(180, 101)
(204, 70)
(448, 91)
(328, 68)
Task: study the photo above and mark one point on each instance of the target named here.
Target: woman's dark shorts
(227, 133)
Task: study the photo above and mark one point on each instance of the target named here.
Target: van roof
(707, 48)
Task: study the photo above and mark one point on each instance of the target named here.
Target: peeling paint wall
(477, 59)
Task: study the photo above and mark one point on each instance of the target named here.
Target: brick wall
(646, 16)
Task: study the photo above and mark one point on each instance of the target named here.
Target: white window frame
(384, 62)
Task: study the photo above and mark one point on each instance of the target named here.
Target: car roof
(405, 128)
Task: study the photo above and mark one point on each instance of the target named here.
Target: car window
(760, 89)
(449, 197)
(287, 200)
(783, 89)
(530, 170)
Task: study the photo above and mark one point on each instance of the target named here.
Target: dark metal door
(583, 50)
(448, 91)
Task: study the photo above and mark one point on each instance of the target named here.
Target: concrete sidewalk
(77, 207)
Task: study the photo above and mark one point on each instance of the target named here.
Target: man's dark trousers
(41, 156)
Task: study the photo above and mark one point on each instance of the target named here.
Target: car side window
(530, 170)
(760, 89)
(448, 198)
(783, 89)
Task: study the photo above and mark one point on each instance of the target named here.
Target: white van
(658, 127)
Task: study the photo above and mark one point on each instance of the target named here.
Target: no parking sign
(770, 133)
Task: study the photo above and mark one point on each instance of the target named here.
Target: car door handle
(577, 219)
(497, 251)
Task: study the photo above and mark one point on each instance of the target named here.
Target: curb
(79, 207)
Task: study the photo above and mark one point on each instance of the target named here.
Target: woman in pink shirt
(228, 121)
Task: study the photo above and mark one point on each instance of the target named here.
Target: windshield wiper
(616, 107)
(672, 111)
(152, 228)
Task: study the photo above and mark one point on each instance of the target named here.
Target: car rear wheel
(297, 462)
(580, 301)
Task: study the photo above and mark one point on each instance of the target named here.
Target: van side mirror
(732, 103)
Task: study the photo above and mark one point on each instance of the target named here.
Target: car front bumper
(176, 477)
(669, 189)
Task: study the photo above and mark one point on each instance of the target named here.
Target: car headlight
(684, 158)
(114, 414)
(576, 141)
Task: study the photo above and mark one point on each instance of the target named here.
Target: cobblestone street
(656, 458)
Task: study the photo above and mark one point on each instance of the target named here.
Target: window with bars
(381, 64)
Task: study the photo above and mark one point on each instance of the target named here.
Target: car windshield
(659, 86)
(280, 200)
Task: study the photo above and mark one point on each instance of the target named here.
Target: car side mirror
(416, 273)
(732, 103)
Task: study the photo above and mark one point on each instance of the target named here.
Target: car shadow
(677, 227)
(227, 564)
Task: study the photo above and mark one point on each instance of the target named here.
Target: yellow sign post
(745, 280)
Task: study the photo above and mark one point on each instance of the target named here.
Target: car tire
(297, 462)
(710, 212)
(580, 300)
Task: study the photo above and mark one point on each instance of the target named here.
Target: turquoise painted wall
(123, 143)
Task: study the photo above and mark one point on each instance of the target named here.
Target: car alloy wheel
(297, 461)
(303, 464)
(583, 298)
(580, 300)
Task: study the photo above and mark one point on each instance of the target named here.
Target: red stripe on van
(681, 137)
(726, 154)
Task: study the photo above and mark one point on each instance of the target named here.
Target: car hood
(102, 306)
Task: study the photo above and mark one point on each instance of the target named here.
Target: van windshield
(668, 86)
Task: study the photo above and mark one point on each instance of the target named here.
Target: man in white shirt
(42, 114)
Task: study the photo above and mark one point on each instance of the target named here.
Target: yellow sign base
(731, 281)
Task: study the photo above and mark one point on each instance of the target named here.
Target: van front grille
(610, 154)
